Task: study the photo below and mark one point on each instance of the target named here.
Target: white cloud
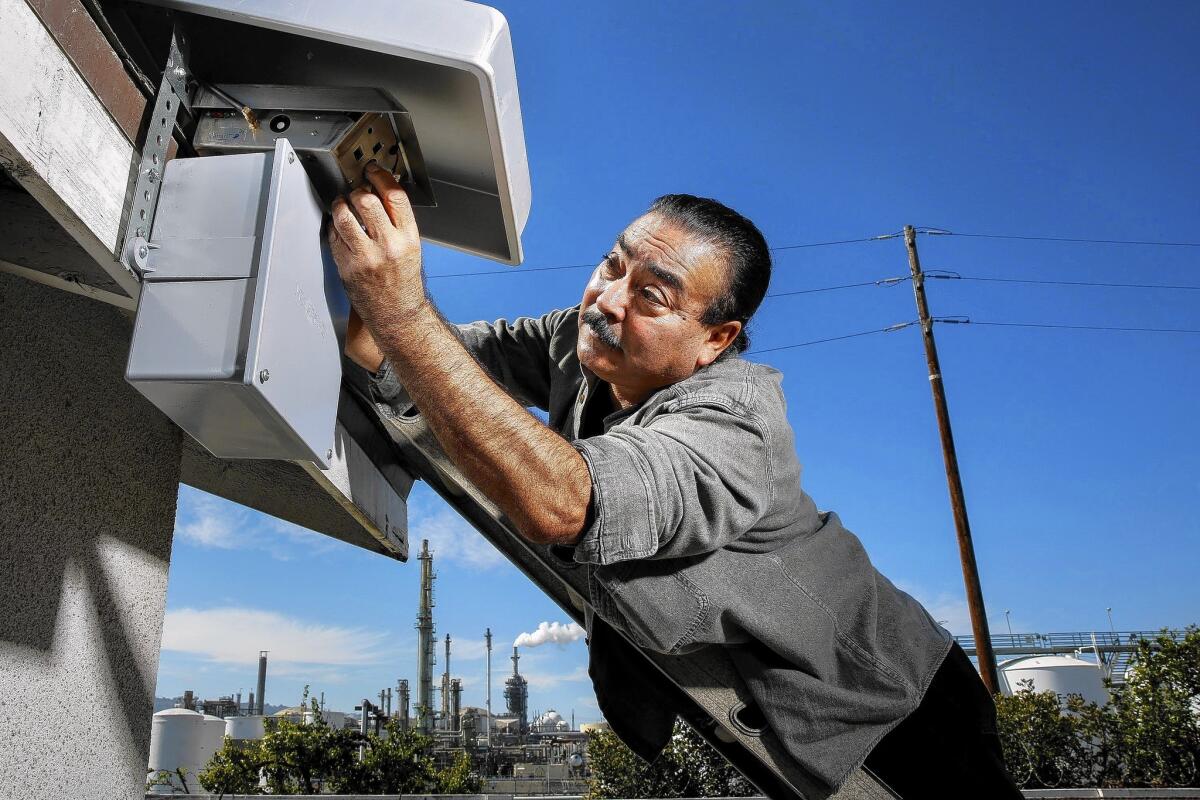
(451, 539)
(208, 521)
(467, 649)
(551, 632)
(549, 680)
(235, 635)
(950, 610)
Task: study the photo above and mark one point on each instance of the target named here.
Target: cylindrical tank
(239, 728)
(334, 719)
(212, 737)
(1060, 674)
(176, 736)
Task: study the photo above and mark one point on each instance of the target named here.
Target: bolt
(140, 232)
(143, 251)
(152, 175)
(264, 376)
(291, 158)
(329, 454)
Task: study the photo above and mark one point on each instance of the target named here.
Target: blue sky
(1078, 448)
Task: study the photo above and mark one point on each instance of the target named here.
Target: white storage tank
(239, 728)
(212, 737)
(334, 719)
(1062, 674)
(176, 735)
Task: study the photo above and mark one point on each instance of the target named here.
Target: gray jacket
(700, 535)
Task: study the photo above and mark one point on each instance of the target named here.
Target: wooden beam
(59, 142)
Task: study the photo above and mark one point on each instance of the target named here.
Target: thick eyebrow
(666, 276)
(663, 274)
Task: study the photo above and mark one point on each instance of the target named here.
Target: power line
(880, 282)
(522, 270)
(888, 329)
(878, 238)
(944, 232)
(968, 321)
(948, 275)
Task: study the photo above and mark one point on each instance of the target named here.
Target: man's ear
(720, 337)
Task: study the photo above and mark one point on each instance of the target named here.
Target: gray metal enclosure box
(236, 337)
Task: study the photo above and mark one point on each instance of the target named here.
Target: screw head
(264, 376)
(291, 158)
(143, 251)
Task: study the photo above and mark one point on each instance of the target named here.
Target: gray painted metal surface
(236, 335)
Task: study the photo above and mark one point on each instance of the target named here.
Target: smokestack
(425, 642)
(189, 700)
(251, 708)
(262, 679)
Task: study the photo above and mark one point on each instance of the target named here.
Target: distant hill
(170, 702)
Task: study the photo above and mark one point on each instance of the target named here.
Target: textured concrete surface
(88, 483)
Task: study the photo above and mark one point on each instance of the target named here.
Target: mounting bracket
(171, 97)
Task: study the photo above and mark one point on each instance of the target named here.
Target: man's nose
(614, 298)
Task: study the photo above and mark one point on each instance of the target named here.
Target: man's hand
(361, 347)
(377, 249)
(534, 475)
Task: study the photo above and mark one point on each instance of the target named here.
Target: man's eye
(653, 297)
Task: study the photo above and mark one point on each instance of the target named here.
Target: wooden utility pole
(966, 550)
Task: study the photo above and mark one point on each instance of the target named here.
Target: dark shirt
(701, 536)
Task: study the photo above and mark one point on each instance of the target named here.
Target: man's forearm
(536, 477)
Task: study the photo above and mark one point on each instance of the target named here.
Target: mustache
(595, 320)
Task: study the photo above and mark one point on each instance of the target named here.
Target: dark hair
(747, 257)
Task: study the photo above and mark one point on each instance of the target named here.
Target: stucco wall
(88, 479)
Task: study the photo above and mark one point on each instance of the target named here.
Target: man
(668, 468)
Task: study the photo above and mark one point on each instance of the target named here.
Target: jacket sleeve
(687, 483)
(516, 354)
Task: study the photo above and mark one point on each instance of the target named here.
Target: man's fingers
(370, 210)
(395, 199)
(346, 225)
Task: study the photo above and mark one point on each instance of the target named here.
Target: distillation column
(456, 705)
(425, 643)
(516, 693)
(402, 691)
(446, 689)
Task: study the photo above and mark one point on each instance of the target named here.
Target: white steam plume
(554, 632)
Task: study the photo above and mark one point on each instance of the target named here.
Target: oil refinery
(511, 752)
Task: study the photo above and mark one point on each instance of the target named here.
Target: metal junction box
(447, 64)
(236, 337)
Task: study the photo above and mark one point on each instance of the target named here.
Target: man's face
(639, 325)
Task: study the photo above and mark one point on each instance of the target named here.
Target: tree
(1148, 734)
(459, 777)
(399, 762)
(234, 769)
(688, 767)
